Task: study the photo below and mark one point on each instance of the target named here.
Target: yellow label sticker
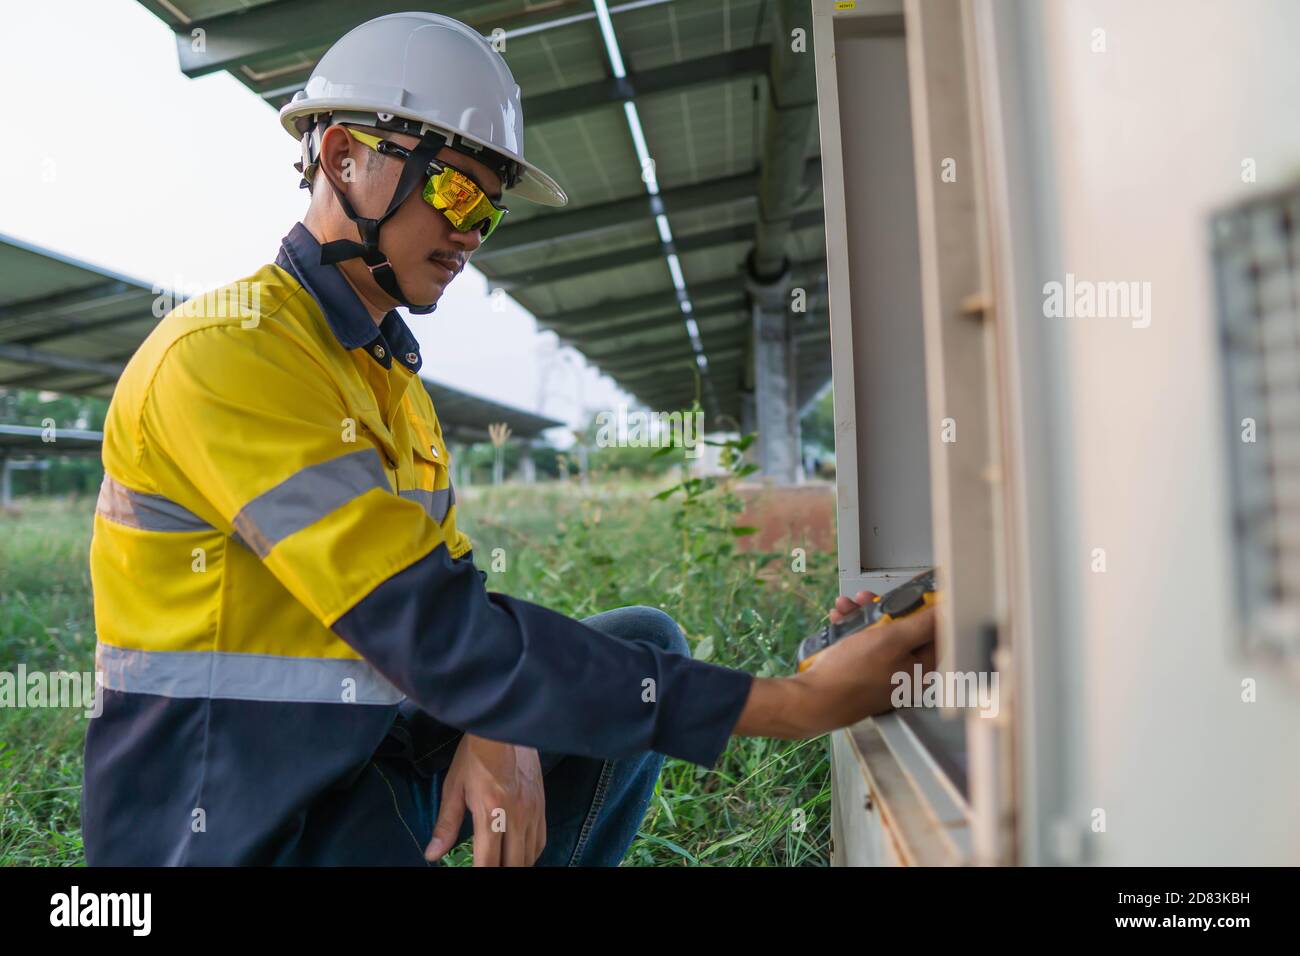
(846, 4)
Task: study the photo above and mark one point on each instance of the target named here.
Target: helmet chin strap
(340, 250)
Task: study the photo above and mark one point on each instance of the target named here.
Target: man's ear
(340, 157)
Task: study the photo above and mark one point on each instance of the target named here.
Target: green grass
(46, 624)
(576, 550)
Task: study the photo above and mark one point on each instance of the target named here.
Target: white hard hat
(430, 70)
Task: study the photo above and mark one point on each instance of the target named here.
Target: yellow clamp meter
(912, 596)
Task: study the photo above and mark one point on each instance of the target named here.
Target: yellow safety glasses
(449, 190)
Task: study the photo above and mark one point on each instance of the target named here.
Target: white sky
(117, 159)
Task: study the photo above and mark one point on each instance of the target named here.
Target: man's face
(425, 249)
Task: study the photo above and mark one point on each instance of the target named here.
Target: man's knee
(643, 623)
(663, 630)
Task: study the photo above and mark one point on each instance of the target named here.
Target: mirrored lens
(463, 203)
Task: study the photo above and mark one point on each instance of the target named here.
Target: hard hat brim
(536, 186)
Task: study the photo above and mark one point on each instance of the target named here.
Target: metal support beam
(733, 65)
(232, 40)
(279, 85)
(667, 399)
(66, 363)
(44, 306)
(66, 325)
(684, 401)
(614, 314)
(649, 252)
(651, 332)
(717, 323)
(730, 357)
(592, 220)
(717, 336)
(714, 421)
(636, 357)
(659, 389)
(654, 363)
(745, 63)
(607, 314)
(82, 385)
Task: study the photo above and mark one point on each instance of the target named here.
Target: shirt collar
(347, 317)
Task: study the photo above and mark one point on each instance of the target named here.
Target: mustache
(449, 259)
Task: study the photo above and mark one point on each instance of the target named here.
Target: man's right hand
(850, 680)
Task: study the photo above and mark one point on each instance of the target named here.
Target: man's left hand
(501, 786)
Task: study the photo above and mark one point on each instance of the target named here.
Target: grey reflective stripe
(435, 503)
(307, 496)
(135, 509)
(221, 674)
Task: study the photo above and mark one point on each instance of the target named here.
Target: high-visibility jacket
(277, 571)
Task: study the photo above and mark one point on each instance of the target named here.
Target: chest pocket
(432, 476)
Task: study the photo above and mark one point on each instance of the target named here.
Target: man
(301, 663)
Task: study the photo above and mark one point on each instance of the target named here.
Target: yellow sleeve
(246, 424)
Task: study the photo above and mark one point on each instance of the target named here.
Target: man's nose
(469, 240)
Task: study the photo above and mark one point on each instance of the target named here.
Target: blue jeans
(593, 806)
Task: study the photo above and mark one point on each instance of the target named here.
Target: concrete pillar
(748, 412)
(459, 451)
(776, 410)
(582, 461)
(527, 470)
(6, 481)
(791, 117)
